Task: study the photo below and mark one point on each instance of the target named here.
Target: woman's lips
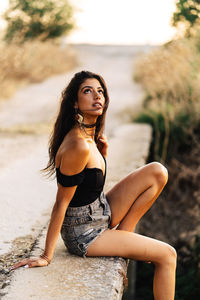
(97, 105)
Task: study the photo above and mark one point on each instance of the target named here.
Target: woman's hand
(102, 145)
(31, 263)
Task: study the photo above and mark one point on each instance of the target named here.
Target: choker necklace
(88, 125)
(79, 119)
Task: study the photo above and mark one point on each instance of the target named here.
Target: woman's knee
(159, 172)
(168, 256)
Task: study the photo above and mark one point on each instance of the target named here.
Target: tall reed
(170, 76)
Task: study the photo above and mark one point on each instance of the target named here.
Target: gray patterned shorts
(83, 224)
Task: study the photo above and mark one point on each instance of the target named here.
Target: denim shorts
(83, 224)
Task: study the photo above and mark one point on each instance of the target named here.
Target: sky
(120, 21)
(3, 6)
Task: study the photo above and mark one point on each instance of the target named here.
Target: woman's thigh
(125, 192)
(129, 245)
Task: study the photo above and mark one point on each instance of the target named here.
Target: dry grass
(170, 76)
(31, 62)
(170, 72)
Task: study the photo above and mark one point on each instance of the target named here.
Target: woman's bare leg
(131, 198)
(134, 246)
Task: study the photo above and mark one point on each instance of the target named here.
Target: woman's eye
(86, 91)
(101, 91)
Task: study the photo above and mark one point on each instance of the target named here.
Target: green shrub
(41, 19)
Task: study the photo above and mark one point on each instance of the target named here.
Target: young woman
(93, 223)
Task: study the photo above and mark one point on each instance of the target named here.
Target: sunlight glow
(3, 7)
(123, 22)
(120, 21)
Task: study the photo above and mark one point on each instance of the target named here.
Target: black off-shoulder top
(90, 183)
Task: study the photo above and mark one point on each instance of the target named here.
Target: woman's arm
(64, 195)
(72, 163)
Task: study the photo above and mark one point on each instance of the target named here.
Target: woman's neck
(86, 132)
(88, 126)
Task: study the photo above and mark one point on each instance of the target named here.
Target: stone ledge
(70, 277)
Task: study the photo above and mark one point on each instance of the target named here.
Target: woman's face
(90, 97)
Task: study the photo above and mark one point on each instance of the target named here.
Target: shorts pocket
(83, 231)
(87, 232)
(77, 220)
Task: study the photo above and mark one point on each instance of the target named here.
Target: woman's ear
(75, 104)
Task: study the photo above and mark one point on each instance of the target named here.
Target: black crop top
(90, 183)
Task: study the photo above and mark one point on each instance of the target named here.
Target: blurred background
(149, 53)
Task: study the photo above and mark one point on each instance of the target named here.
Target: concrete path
(26, 197)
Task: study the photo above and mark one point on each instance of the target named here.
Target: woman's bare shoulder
(74, 155)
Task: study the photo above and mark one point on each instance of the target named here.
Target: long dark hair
(65, 120)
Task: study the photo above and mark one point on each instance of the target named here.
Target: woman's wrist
(45, 257)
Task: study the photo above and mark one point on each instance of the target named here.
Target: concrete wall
(70, 277)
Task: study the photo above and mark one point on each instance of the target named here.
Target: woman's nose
(96, 95)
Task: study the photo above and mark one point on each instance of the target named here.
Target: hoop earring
(78, 117)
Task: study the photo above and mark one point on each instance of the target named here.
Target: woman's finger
(103, 137)
(102, 140)
(20, 264)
